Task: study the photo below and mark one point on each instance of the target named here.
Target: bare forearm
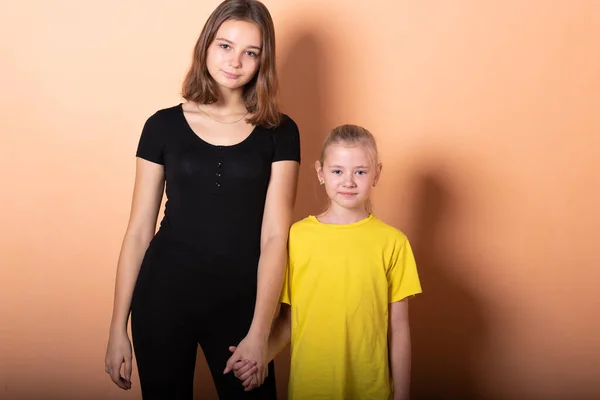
(271, 271)
(400, 361)
(130, 259)
(280, 336)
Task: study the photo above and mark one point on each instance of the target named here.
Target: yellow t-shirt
(339, 283)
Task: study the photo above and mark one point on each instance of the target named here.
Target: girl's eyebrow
(230, 42)
(340, 167)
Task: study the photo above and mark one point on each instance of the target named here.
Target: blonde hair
(352, 135)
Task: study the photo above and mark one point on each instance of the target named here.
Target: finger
(243, 366)
(247, 368)
(248, 381)
(239, 368)
(260, 376)
(254, 384)
(232, 349)
(116, 378)
(265, 373)
(251, 385)
(126, 384)
(127, 371)
(239, 373)
(248, 374)
(232, 360)
(240, 364)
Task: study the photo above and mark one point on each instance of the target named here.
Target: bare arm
(277, 219)
(281, 333)
(400, 349)
(147, 197)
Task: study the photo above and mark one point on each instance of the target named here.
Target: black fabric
(215, 194)
(197, 282)
(175, 308)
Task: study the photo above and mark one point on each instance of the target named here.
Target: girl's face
(348, 174)
(233, 58)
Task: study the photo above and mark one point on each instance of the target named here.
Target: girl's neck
(342, 216)
(229, 102)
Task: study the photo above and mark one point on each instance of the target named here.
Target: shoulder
(285, 139)
(164, 115)
(286, 126)
(159, 124)
(302, 226)
(387, 230)
(287, 122)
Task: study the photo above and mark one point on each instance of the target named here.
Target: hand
(254, 349)
(245, 371)
(118, 353)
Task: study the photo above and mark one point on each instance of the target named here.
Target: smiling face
(348, 173)
(233, 57)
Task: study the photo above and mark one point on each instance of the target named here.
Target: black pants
(175, 307)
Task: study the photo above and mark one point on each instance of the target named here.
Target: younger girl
(348, 280)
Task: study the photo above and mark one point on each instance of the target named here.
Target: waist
(215, 255)
(212, 234)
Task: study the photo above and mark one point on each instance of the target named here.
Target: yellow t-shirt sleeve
(402, 276)
(285, 296)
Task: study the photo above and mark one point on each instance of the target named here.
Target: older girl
(212, 274)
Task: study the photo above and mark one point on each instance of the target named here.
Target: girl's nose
(236, 60)
(349, 181)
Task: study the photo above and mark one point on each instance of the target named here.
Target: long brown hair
(261, 92)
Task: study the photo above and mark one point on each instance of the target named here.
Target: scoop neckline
(342, 226)
(217, 146)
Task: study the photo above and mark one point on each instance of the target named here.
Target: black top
(215, 194)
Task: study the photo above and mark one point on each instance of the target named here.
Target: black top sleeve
(287, 141)
(150, 146)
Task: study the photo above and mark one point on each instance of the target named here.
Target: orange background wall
(487, 116)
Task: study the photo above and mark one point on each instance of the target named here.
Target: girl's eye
(224, 46)
(252, 54)
(361, 172)
(336, 171)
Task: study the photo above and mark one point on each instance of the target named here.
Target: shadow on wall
(300, 84)
(447, 323)
(302, 99)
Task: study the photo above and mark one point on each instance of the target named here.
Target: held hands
(247, 372)
(249, 362)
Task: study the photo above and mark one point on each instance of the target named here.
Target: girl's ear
(319, 169)
(377, 173)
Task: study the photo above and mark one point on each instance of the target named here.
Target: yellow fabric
(339, 283)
